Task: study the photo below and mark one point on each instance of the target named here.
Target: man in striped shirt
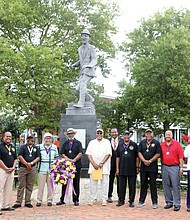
(48, 153)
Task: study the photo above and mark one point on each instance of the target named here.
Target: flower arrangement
(62, 170)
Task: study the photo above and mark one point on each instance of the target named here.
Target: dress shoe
(29, 205)
(140, 204)
(15, 206)
(104, 203)
(38, 204)
(176, 208)
(91, 203)
(131, 204)
(168, 206)
(120, 204)
(76, 203)
(78, 105)
(49, 204)
(60, 203)
(188, 209)
(1, 212)
(155, 206)
(110, 200)
(8, 209)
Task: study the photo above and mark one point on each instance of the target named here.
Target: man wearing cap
(114, 140)
(99, 153)
(8, 160)
(72, 150)
(28, 156)
(172, 170)
(149, 151)
(48, 153)
(87, 63)
(127, 165)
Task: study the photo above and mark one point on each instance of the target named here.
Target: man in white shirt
(99, 152)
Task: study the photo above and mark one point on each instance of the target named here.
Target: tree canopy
(38, 45)
(157, 54)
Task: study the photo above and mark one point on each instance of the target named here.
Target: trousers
(112, 177)
(123, 185)
(26, 182)
(76, 185)
(171, 184)
(151, 178)
(42, 179)
(188, 189)
(6, 184)
(82, 88)
(104, 187)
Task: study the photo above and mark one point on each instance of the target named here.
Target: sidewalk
(95, 212)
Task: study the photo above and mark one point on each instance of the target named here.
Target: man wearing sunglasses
(99, 153)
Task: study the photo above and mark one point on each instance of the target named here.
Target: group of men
(126, 159)
(29, 156)
(116, 157)
(129, 159)
(123, 159)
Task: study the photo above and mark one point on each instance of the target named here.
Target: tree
(38, 45)
(104, 109)
(158, 58)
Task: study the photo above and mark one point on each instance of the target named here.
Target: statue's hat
(86, 31)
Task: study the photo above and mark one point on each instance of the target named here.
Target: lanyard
(168, 149)
(30, 151)
(147, 146)
(9, 149)
(126, 147)
(70, 146)
(48, 150)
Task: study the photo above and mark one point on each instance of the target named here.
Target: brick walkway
(96, 212)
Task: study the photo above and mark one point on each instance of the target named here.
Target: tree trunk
(39, 132)
(166, 126)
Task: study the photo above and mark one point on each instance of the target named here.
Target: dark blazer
(114, 153)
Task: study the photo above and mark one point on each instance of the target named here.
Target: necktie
(115, 144)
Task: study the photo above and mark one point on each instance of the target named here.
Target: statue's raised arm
(87, 62)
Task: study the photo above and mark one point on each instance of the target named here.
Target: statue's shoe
(78, 105)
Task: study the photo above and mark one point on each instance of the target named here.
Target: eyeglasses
(99, 133)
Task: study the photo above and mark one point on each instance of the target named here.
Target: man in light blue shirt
(48, 153)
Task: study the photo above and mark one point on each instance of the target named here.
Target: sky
(131, 13)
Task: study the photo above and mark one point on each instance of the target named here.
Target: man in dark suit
(71, 150)
(87, 63)
(114, 140)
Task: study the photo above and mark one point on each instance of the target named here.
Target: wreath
(62, 170)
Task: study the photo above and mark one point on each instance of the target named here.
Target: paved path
(95, 212)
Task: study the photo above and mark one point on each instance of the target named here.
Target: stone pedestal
(80, 118)
(88, 109)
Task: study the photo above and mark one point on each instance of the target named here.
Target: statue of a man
(87, 63)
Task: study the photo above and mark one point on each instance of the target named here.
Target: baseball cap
(148, 130)
(30, 136)
(126, 132)
(99, 129)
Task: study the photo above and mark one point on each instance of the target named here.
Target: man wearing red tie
(114, 140)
